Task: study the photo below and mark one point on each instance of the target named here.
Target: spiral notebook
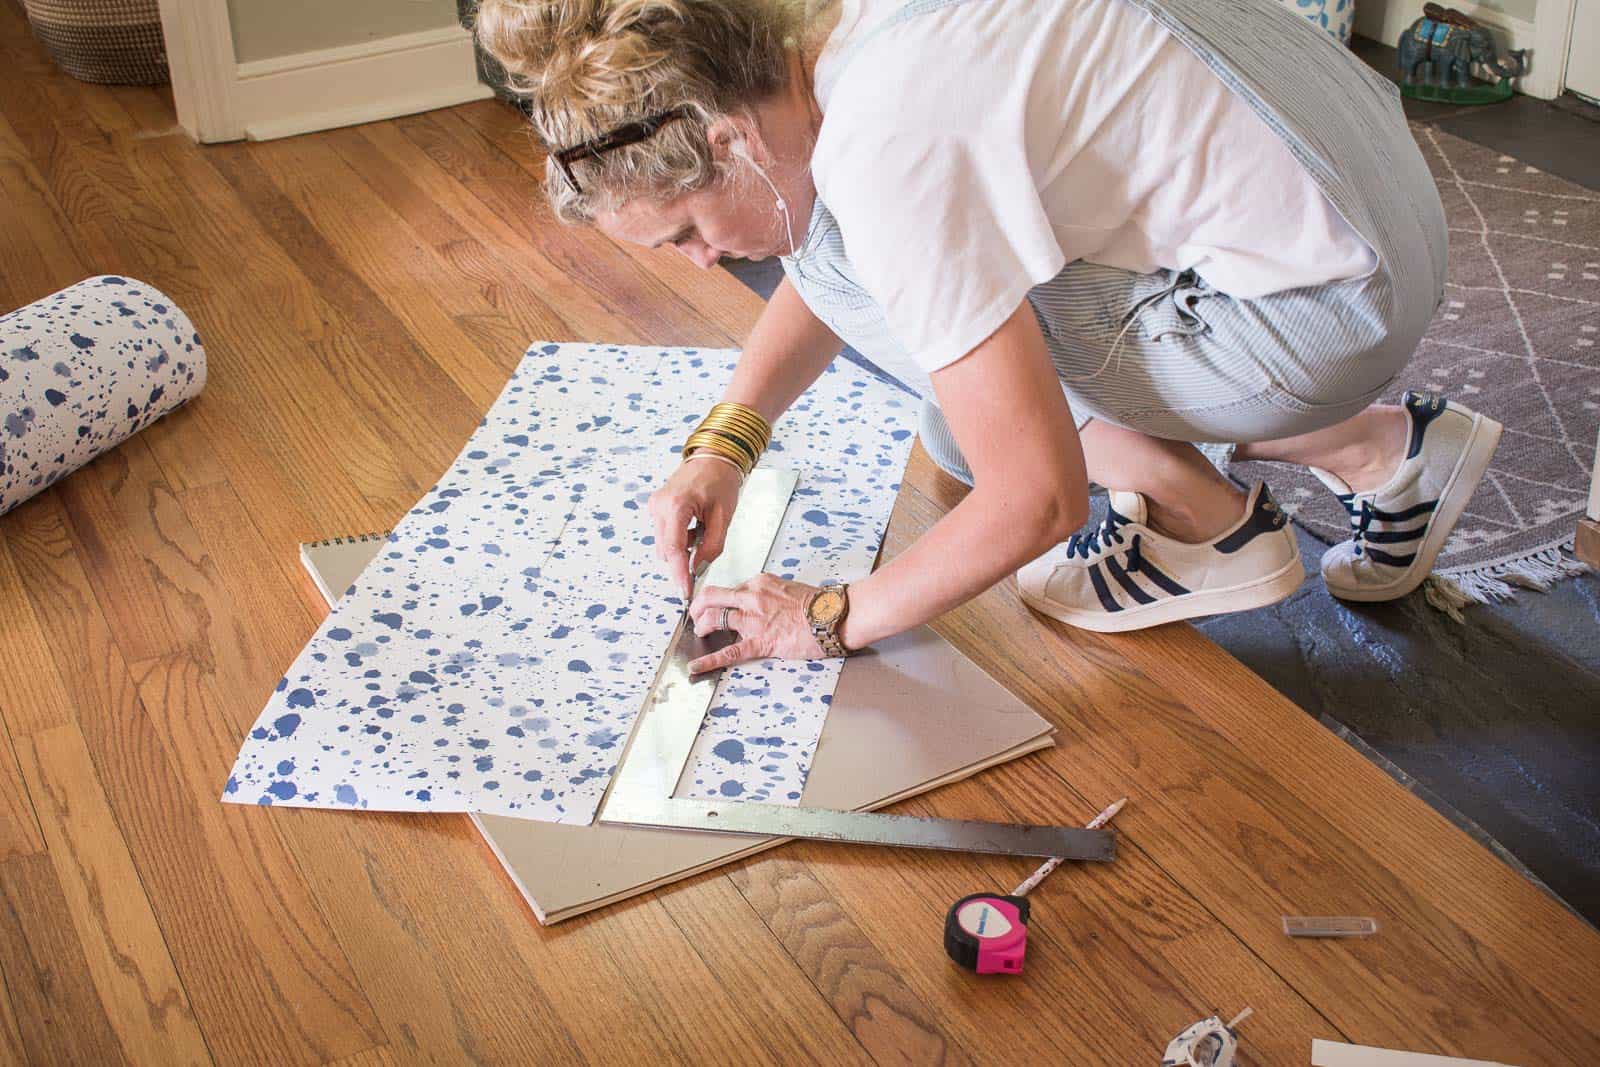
(915, 697)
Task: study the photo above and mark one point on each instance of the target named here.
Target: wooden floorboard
(111, 917)
(363, 295)
(59, 1016)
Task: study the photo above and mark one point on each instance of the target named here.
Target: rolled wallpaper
(84, 369)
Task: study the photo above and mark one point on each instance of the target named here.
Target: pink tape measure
(988, 932)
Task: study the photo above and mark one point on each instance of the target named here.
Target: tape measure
(988, 932)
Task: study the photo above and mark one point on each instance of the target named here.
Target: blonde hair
(586, 67)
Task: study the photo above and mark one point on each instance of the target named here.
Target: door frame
(199, 41)
(1547, 37)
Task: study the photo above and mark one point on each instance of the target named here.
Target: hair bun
(579, 54)
(586, 66)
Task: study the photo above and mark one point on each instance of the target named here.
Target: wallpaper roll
(84, 369)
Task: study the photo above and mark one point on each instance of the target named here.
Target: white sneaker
(1126, 576)
(1401, 526)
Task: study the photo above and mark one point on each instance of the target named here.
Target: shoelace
(1102, 537)
(1362, 523)
(1360, 518)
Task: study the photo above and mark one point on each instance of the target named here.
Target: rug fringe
(1498, 582)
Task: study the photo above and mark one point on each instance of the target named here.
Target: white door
(1583, 55)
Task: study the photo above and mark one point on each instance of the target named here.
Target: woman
(1089, 232)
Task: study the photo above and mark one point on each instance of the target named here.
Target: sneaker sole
(1257, 594)
(1458, 490)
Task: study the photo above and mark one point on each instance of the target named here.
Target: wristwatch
(825, 610)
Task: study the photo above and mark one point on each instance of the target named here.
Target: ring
(724, 625)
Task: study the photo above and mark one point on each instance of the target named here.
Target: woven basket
(110, 42)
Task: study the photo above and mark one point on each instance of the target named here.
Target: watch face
(827, 606)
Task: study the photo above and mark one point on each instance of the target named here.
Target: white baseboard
(401, 75)
(1386, 20)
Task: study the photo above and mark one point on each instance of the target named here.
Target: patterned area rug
(1517, 338)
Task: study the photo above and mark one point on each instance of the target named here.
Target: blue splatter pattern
(494, 654)
(84, 369)
(1336, 16)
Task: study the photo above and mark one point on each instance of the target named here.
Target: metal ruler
(641, 791)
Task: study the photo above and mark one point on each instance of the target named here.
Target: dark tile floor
(1560, 137)
(1493, 721)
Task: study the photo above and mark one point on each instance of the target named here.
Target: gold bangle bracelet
(720, 458)
(733, 432)
(749, 447)
(732, 407)
(745, 448)
(719, 447)
(738, 415)
(737, 425)
(739, 441)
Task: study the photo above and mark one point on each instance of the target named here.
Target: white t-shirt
(970, 152)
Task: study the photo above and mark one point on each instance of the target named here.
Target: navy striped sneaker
(1125, 576)
(1399, 528)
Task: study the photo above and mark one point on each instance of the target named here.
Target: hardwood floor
(362, 295)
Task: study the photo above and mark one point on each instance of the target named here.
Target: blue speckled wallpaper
(82, 370)
(494, 654)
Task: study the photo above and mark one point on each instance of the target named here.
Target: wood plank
(436, 954)
(11, 1050)
(366, 349)
(255, 993)
(659, 999)
(1521, 942)
(1586, 542)
(1088, 990)
(50, 114)
(744, 955)
(892, 1023)
(19, 825)
(1127, 933)
(139, 554)
(504, 265)
(281, 605)
(37, 256)
(363, 231)
(428, 982)
(151, 574)
(134, 976)
(150, 110)
(486, 291)
(715, 295)
(377, 1056)
(58, 1014)
(585, 257)
(34, 699)
(1251, 857)
(171, 196)
(289, 438)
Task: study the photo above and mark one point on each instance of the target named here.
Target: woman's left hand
(767, 612)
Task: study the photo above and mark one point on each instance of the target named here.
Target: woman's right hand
(703, 490)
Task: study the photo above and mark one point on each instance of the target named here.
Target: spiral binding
(350, 540)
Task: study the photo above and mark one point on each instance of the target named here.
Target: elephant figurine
(1444, 46)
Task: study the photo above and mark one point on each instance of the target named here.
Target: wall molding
(1546, 39)
(220, 99)
(331, 87)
